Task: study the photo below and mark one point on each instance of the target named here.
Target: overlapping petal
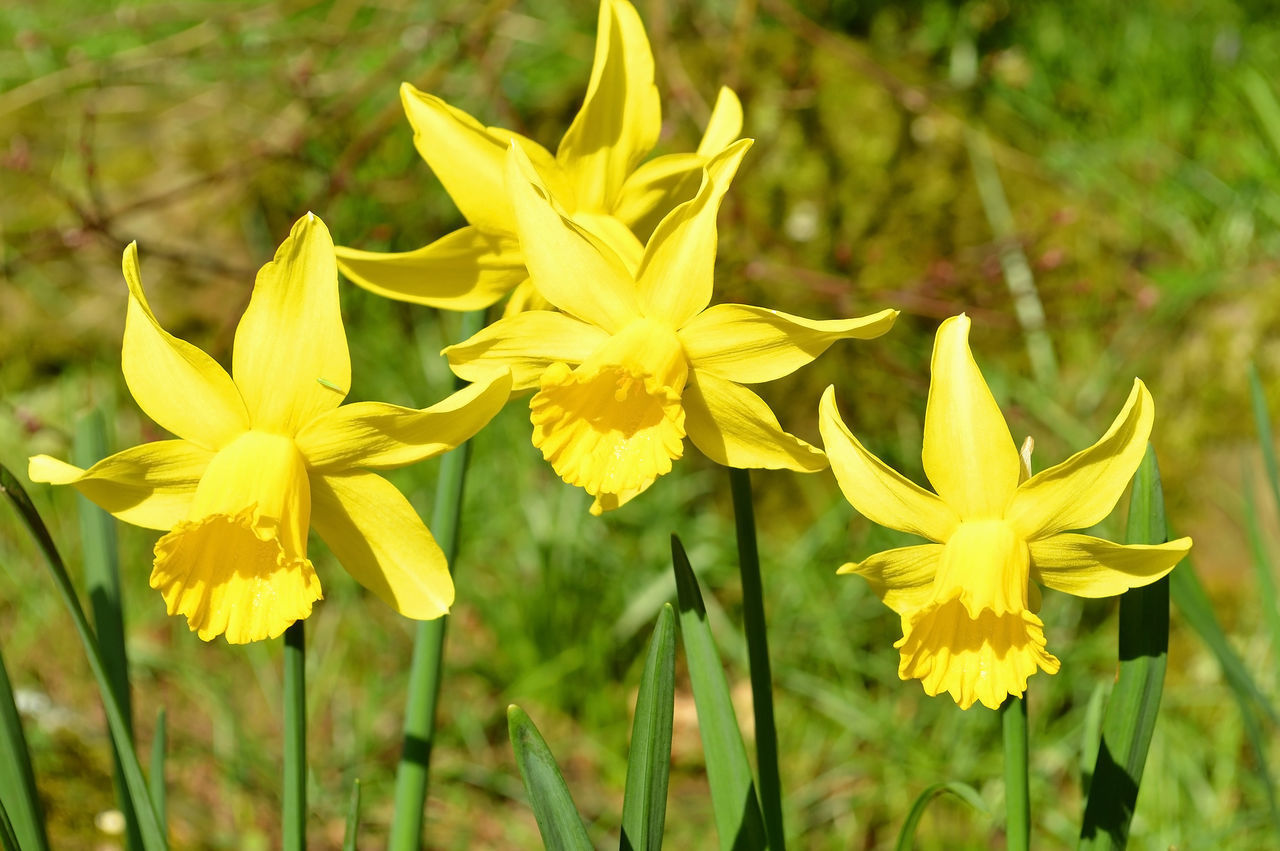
(903, 577)
(574, 271)
(677, 271)
(725, 123)
(378, 436)
(969, 455)
(620, 117)
(468, 269)
(875, 489)
(754, 344)
(525, 343)
(1091, 567)
(290, 359)
(151, 485)
(734, 427)
(1082, 490)
(380, 540)
(175, 383)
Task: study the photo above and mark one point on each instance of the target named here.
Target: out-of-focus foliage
(1138, 146)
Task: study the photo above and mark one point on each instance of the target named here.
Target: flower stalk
(295, 738)
(1017, 799)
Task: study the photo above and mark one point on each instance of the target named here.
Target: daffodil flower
(267, 454)
(632, 362)
(595, 174)
(968, 602)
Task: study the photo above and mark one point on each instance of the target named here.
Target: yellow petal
(753, 344)
(468, 158)
(177, 385)
(983, 660)
(238, 564)
(725, 123)
(465, 270)
(969, 455)
(655, 188)
(571, 268)
(614, 424)
(675, 275)
(526, 343)
(620, 117)
(380, 540)
(526, 297)
(378, 436)
(902, 578)
(151, 485)
(290, 350)
(1091, 567)
(877, 491)
(734, 427)
(1082, 490)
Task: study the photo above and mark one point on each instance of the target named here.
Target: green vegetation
(1138, 149)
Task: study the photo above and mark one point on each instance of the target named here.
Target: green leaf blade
(18, 792)
(739, 820)
(644, 803)
(558, 820)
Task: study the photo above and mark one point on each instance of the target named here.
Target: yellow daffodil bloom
(632, 362)
(968, 602)
(267, 454)
(595, 174)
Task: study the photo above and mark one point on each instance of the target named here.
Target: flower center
(614, 424)
(238, 563)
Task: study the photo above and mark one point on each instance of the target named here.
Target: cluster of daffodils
(607, 262)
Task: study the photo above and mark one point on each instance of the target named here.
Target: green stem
(426, 667)
(295, 738)
(758, 656)
(1017, 800)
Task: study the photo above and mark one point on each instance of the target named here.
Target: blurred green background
(1136, 146)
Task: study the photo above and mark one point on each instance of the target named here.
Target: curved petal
(177, 385)
(381, 541)
(724, 125)
(675, 274)
(378, 436)
(573, 270)
(467, 157)
(526, 343)
(734, 427)
(1091, 567)
(753, 344)
(655, 188)
(465, 270)
(1082, 490)
(290, 360)
(969, 455)
(151, 485)
(877, 491)
(620, 117)
(902, 578)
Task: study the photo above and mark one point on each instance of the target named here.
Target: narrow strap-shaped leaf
(17, 780)
(153, 836)
(102, 583)
(1131, 713)
(295, 737)
(159, 747)
(8, 839)
(644, 803)
(1266, 437)
(739, 821)
(963, 791)
(1262, 570)
(350, 836)
(558, 820)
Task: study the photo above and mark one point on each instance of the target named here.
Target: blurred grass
(1136, 145)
